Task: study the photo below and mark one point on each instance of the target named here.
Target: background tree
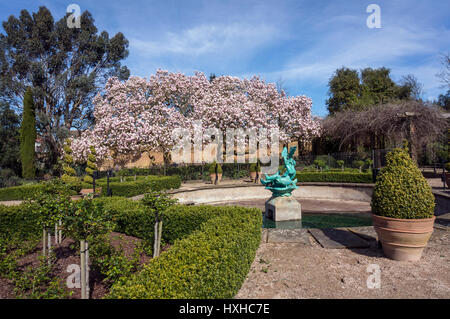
(444, 101)
(377, 86)
(344, 90)
(28, 137)
(9, 140)
(350, 90)
(444, 75)
(65, 66)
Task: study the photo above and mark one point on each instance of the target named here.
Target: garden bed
(211, 250)
(31, 279)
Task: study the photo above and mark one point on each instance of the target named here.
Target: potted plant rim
(212, 172)
(402, 207)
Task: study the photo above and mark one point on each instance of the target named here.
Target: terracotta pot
(253, 176)
(403, 239)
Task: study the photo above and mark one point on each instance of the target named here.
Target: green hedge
(18, 192)
(213, 247)
(129, 189)
(212, 253)
(336, 177)
(18, 222)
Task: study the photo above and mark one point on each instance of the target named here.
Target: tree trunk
(49, 242)
(87, 270)
(157, 237)
(60, 231)
(56, 234)
(44, 242)
(83, 268)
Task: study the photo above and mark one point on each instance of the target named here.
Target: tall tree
(444, 100)
(444, 75)
(344, 90)
(28, 136)
(65, 66)
(9, 139)
(350, 90)
(378, 85)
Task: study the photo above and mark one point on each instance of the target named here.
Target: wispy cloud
(207, 39)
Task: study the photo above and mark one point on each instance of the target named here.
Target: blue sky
(300, 43)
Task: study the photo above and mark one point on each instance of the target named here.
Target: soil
(293, 270)
(65, 256)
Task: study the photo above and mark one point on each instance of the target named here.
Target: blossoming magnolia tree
(140, 115)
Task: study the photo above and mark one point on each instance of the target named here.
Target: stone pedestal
(283, 208)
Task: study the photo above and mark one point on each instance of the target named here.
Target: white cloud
(206, 39)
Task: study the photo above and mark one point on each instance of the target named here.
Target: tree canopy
(9, 139)
(353, 90)
(66, 67)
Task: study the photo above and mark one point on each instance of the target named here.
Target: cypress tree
(28, 136)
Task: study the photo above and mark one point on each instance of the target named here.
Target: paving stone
(288, 236)
(367, 233)
(336, 238)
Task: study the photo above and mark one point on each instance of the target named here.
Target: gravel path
(294, 270)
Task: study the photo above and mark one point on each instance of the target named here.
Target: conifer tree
(28, 136)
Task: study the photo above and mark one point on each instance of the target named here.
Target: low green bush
(19, 192)
(212, 253)
(335, 177)
(19, 222)
(133, 188)
(401, 191)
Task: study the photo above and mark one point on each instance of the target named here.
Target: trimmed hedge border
(19, 222)
(334, 177)
(18, 192)
(138, 187)
(126, 189)
(213, 248)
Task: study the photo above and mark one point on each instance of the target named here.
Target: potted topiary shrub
(212, 172)
(402, 207)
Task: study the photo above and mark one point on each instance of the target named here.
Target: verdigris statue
(283, 185)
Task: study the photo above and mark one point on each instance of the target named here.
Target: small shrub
(401, 191)
(212, 168)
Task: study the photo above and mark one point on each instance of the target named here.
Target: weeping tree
(28, 137)
(379, 125)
